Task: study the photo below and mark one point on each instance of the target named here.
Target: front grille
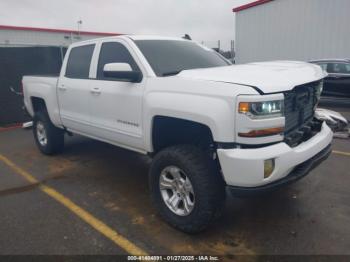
(299, 108)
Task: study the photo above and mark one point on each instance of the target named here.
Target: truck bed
(31, 82)
(42, 87)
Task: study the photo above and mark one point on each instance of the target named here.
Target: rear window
(78, 65)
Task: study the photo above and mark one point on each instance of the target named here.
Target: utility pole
(233, 54)
(79, 22)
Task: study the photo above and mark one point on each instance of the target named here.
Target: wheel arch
(215, 113)
(168, 130)
(38, 104)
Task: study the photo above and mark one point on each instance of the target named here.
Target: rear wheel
(49, 139)
(186, 187)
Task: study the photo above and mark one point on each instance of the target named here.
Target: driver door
(116, 105)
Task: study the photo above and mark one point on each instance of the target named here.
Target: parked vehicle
(337, 83)
(206, 123)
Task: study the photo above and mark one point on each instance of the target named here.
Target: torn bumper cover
(298, 172)
(244, 168)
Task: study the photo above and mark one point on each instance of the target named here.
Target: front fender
(214, 112)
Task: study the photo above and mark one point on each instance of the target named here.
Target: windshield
(169, 57)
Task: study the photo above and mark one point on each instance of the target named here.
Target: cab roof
(132, 37)
(331, 60)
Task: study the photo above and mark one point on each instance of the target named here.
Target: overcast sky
(204, 20)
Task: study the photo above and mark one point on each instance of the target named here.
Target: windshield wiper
(171, 73)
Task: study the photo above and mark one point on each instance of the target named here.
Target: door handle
(95, 91)
(62, 87)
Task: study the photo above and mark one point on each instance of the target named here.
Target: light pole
(79, 22)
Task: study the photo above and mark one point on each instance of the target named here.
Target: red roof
(50, 30)
(252, 4)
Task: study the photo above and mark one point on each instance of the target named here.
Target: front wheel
(49, 139)
(186, 187)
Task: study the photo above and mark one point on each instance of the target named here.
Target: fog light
(269, 166)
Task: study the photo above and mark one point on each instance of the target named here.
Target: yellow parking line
(341, 153)
(80, 212)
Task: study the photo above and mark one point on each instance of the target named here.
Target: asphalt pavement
(93, 199)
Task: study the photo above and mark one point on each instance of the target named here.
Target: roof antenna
(187, 37)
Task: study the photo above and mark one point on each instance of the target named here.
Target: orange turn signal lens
(243, 107)
(263, 132)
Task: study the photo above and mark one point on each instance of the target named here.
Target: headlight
(266, 109)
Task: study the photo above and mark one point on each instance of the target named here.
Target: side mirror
(122, 71)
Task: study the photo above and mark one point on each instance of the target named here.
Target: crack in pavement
(26, 188)
(16, 190)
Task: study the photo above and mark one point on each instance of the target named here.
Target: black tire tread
(55, 135)
(207, 182)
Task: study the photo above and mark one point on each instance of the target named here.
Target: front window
(323, 66)
(169, 57)
(114, 52)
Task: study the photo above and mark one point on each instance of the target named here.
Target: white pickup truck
(207, 124)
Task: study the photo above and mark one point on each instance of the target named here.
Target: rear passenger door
(73, 89)
(116, 107)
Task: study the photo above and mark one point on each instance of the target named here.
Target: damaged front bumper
(244, 168)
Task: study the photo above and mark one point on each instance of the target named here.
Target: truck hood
(268, 77)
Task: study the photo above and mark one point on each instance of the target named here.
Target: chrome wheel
(176, 190)
(41, 133)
